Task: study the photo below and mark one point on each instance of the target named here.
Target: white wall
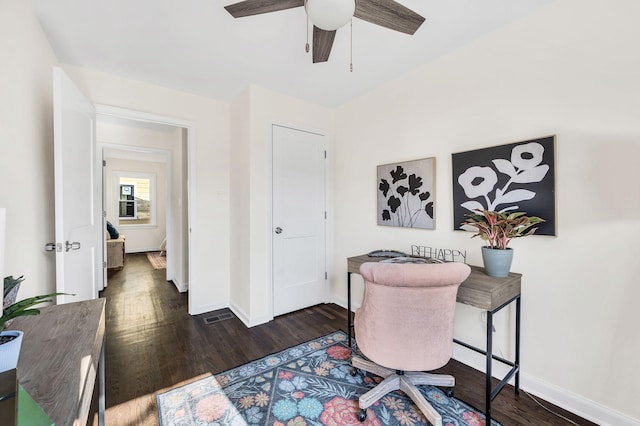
(263, 108)
(240, 284)
(570, 69)
(26, 147)
(208, 286)
(180, 200)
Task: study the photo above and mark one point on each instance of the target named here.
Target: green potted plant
(497, 229)
(10, 341)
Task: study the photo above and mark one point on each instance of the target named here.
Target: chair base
(406, 382)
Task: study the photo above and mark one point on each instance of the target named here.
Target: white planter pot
(10, 351)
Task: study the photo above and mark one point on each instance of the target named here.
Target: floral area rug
(307, 385)
(157, 260)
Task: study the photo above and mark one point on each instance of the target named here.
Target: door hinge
(325, 153)
(326, 275)
(104, 163)
(325, 215)
(104, 213)
(104, 265)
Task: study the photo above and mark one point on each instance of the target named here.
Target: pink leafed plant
(499, 228)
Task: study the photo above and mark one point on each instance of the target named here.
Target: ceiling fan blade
(256, 7)
(322, 42)
(389, 14)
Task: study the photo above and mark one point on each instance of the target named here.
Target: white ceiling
(196, 46)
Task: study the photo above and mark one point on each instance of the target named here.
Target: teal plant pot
(497, 263)
(10, 351)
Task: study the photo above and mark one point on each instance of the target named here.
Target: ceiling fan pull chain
(351, 49)
(306, 46)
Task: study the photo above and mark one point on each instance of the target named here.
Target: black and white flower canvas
(518, 177)
(406, 194)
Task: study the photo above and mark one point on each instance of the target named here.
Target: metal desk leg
(349, 306)
(101, 404)
(491, 393)
(517, 361)
(487, 411)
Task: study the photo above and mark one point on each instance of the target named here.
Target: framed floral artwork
(406, 194)
(513, 177)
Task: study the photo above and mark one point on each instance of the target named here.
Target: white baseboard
(242, 316)
(240, 313)
(197, 310)
(577, 404)
(140, 250)
(249, 322)
(182, 287)
(570, 401)
(260, 320)
(343, 303)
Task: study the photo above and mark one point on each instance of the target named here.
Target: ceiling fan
(329, 15)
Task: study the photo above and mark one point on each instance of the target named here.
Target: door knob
(71, 246)
(278, 230)
(51, 247)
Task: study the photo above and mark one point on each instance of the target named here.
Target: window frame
(153, 202)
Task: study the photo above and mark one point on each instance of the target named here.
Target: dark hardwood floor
(153, 344)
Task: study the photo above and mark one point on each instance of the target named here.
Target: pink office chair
(405, 327)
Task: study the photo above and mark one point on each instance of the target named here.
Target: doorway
(140, 193)
(176, 187)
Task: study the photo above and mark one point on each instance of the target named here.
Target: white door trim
(269, 230)
(191, 166)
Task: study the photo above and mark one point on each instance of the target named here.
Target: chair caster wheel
(362, 415)
(449, 392)
(353, 371)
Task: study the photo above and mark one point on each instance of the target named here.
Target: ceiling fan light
(329, 15)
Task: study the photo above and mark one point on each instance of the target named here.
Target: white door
(298, 220)
(78, 218)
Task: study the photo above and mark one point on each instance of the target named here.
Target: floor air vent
(218, 318)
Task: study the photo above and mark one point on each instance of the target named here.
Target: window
(135, 198)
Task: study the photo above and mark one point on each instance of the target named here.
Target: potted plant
(497, 229)
(10, 341)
